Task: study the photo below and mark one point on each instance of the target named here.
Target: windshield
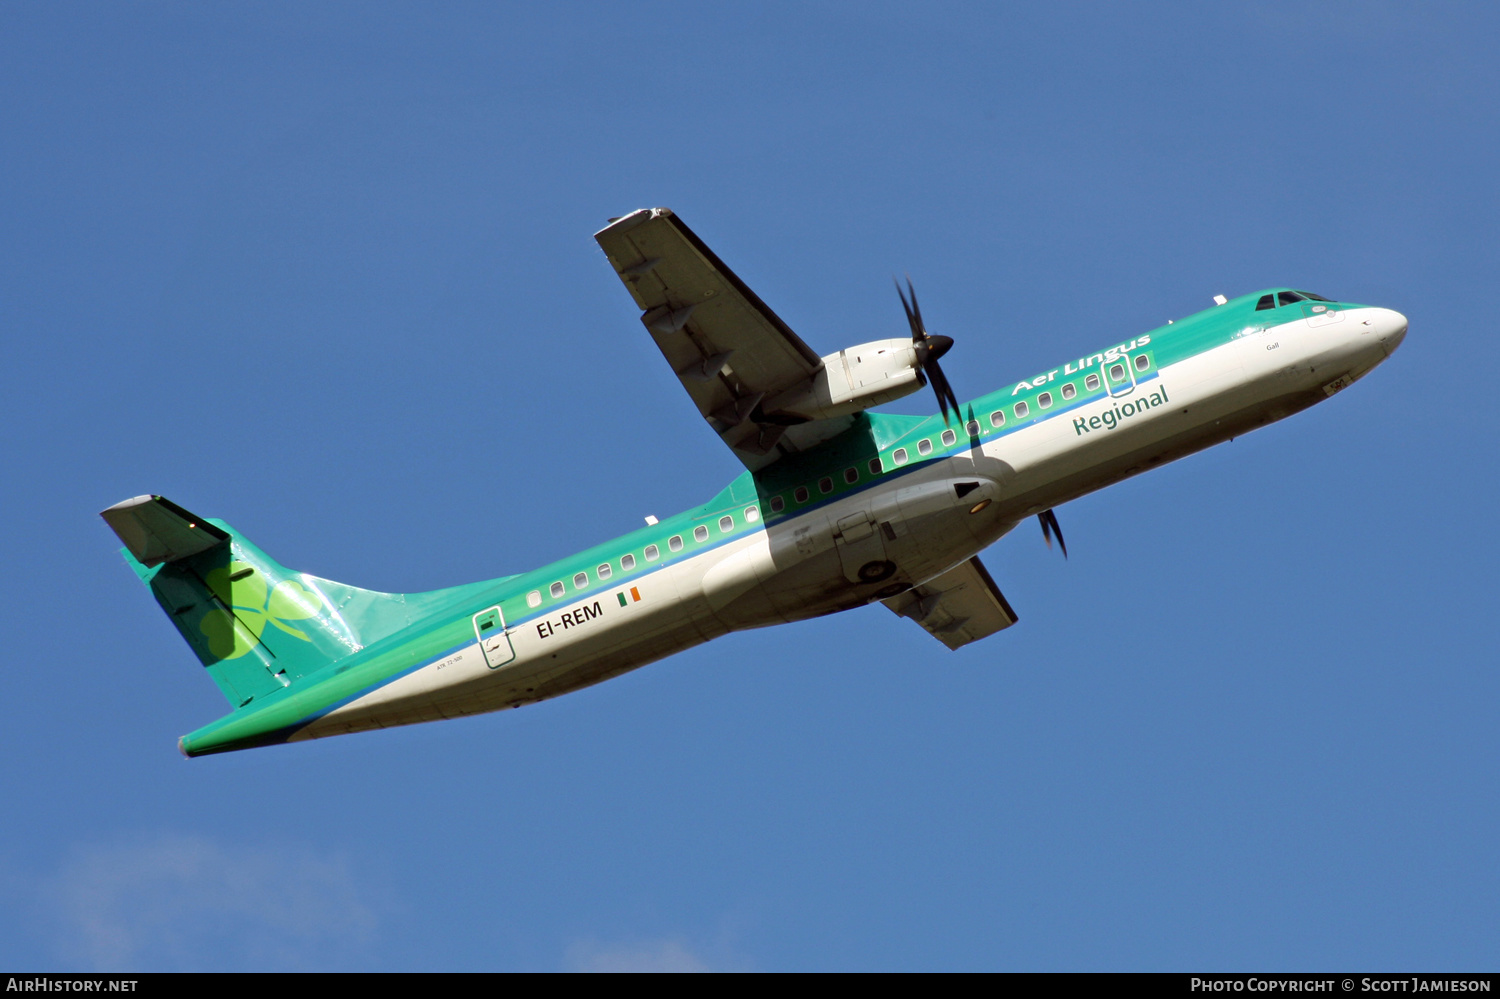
(1275, 299)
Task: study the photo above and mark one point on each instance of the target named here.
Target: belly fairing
(866, 547)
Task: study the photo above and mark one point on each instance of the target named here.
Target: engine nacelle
(852, 380)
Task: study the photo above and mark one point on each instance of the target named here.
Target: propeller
(1050, 526)
(929, 348)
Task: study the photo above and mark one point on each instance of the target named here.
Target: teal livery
(838, 506)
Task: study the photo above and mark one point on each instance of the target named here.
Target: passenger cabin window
(1266, 302)
(1044, 400)
(652, 553)
(627, 562)
(997, 418)
(875, 467)
(1091, 382)
(972, 428)
(534, 598)
(899, 456)
(851, 475)
(604, 571)
(1142, 362)
(825, 485)
(1069, 391)
(700, 534)
(726, 524)
(674, 543)
(557, 589)
(949, 438)
(581, 581)
(801, 494)
(1117, 372)
(924, 446)
(1021, 410)
(1288, 297)
(777, 504)
(752, 514)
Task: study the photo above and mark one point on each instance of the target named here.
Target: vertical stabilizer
(256, 626)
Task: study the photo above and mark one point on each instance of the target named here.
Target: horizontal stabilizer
(156, 530)
(961, 606)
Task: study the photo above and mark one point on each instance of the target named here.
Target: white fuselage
(809, 565)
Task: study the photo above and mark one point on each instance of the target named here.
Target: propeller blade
(1051, 526)
(913, 315)
(928, 349)
(944, 391)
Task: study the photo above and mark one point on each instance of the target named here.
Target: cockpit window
(1288, 297)
(1266, 302)
(1315, 298)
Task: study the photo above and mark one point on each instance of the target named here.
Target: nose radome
(1386, 325)
(1393, 329)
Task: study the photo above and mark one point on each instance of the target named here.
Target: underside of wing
(961, 606)
(744, 368)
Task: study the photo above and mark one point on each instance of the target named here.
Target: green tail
(256, 626)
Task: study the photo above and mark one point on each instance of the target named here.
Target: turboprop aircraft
(838, 506)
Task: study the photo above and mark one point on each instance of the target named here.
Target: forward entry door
(1120, 376)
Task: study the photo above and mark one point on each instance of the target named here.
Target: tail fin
(256, 626)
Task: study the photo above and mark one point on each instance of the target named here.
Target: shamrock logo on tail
(232, 635)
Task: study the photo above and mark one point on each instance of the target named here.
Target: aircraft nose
(1389, 326)
(1394, 332)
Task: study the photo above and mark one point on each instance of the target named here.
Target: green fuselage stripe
(279, 714)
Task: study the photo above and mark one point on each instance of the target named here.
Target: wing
(961, 606)
(729, 350)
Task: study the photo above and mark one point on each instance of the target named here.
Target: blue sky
(327, 272)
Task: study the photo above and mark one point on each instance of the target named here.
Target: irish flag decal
(630, 596)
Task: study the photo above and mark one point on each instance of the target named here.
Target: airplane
(838, 506)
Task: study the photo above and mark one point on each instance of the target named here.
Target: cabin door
(1119, 375)
(489, 628)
